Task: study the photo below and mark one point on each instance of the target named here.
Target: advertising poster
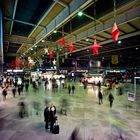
(131, 96)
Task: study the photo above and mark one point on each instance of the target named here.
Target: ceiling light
(43, 40)
(35, 46)
(137, 48)
(55, 31)
(119, 42)
(80, 14)
(31, 49)
(87, 39)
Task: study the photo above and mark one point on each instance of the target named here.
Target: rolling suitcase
(56, 128)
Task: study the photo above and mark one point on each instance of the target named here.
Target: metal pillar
(135, 90)
(1, 44)
(57, 59)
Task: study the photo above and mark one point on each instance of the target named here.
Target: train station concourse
(69, 69)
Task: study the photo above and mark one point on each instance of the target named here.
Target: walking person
(46, 117)
(100, 97)
(26, 86)
(46, 84)
(69, 89)
(14, 91)
(4, 93)
(19, 89)
(75, 135)
(73, 88)
(22, 87)
(99, 85)
(85, 84)
(111, 98)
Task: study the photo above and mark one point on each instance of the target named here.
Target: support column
(1, 44)
(57, 59)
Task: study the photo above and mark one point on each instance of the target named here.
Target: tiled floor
(95, 122)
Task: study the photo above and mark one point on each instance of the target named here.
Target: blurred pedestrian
(100, 97)
(4, 93)
(64, 106)
(111, 98)
(22, 109)
(73, 88)
(19, 89)
(22, 87)
(69, 89)
(99, 85)
(26, 86)
(75, 134)
(37, 107)
(46, 84)
(14, 91)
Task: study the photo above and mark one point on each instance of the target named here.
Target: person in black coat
(100, 97)
(52, 116)
(49, 116)
(69, 89)
(19, 89)
(110, 98)
(4, 93)
(46, 116)
(99, 85)
(26, 86)
(73, 88)
(14, 91)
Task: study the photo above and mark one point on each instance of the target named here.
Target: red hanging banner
(62, 42)
(115, 32)
(71, 47)
(95, 47)
(51, 54)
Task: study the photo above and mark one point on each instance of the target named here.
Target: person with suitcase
(56, 126)
(52, 109)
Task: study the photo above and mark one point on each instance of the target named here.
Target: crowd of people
(19, 85)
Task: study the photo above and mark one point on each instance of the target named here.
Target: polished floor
(94, 121)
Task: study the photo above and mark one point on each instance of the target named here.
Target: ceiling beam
(62, 17)
(23, 22)
(38, 24)
(103, 37)
(61, 3)
(18, 39)
(115, 50)
(110, 41)
(13, 17)
(130, 24)
(123, 18)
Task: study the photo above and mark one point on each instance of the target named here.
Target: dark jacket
(4, 92)
(110, 97)
(46, 114)
(100, 96)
